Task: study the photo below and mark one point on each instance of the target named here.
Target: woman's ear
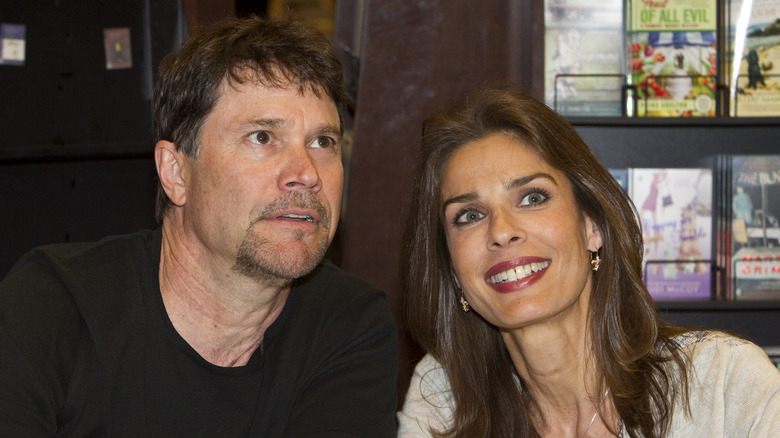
(170, 164)
(593, 235)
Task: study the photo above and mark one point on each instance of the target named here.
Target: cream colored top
(735, 392)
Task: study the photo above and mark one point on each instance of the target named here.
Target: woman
(523, 283)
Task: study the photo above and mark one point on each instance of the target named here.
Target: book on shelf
(774, 355)
(749, 245)
(752, 60)
(621, 176)
(582, 57)
(722, 228)
(672, 57)
(675, 210)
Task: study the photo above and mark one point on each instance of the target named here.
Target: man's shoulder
(53, 277)
(84, 255)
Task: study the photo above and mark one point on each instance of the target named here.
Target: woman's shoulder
(429, 404)
(713, 348)
(430, 374)
(708, 338)
(733, 386)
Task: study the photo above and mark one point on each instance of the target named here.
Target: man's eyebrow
(269, 122)
(282, 123)
(329, 129)
(513, 183)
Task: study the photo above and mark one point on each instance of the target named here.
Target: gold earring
(595, 261)
(464, 303)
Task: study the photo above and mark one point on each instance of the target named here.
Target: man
(224, 322)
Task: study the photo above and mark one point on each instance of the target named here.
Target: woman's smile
(517, 273)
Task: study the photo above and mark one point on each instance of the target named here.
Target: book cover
(675, 210)
(583, 47)
(672, 57)
(753, 58)
(755, 230)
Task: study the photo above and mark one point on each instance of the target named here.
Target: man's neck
(224, 316)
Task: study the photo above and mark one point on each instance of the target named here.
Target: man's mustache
(294, 200)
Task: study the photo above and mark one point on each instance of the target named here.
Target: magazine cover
(754, 58)
(755, 230)
(675, 210)
(672, 57)
(583, 47)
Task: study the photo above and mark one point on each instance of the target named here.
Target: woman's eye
(468, 216)
(534, 198)
(260, 137)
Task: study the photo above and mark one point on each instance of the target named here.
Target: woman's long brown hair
(632, 347)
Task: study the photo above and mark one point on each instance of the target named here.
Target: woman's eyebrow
(519, 182)
(512, 184)
(466, 197)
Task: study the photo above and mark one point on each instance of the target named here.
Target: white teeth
(298, 216)
(519, 272)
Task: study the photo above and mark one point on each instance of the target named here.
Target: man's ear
(595, 240)
(169, 163)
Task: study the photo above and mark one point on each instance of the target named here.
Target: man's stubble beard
(265, 261)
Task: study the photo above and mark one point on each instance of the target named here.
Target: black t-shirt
(87, 349)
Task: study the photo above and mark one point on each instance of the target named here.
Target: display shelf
(622, 142)
(674, 122)
(719, 305)
(755, 320)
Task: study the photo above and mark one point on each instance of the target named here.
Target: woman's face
(518, 241)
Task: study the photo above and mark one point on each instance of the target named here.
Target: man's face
(264, 193)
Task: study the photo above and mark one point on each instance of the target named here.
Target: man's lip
(509, 264)
(290, 214)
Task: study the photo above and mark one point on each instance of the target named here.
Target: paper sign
(12, 44)
(117, 44)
